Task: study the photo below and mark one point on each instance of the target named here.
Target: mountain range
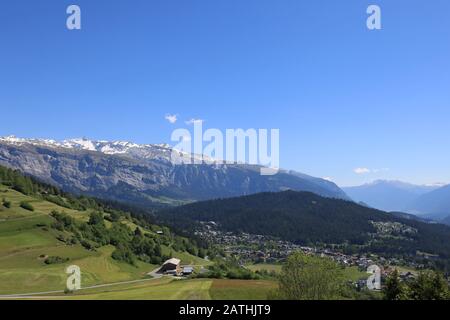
(435, 204)
(387, 195)
(430, 201)
(145, 174)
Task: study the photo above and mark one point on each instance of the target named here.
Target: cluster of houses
(393, 229)
(248, 247)
(173, 267)
(257, 248)
(251, 248)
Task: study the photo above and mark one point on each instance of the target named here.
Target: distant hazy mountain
(435, 204)
(446, 221)
(144, 175)
(388, 195)
(411, 217)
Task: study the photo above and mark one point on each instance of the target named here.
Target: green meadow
(26, 241)
(170, 289)
(265, 267)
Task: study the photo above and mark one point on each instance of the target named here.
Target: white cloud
(328, 179)
(194, 121)
(362, 170)
(172, 118)
(380, 170)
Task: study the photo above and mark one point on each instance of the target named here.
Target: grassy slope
(241, 289)
(265, 267)
(161, 289)
(22, 243)
(198, 289)
(170, 289)
(354, 274)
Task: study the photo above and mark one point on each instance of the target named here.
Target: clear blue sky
(343, 97)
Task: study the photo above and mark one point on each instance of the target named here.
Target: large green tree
(429, 286)
(307, 277)
(394, 289)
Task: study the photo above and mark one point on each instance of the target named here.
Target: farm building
(171, 266)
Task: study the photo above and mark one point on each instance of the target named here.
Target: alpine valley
(120, 209)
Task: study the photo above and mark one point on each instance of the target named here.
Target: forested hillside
(308, 219)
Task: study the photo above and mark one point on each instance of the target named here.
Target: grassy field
(160, 289)
(354, 274)
(25, 242)
(266, 267)
(170, 289)
(241, 289)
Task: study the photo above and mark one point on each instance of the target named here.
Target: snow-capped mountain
(162, 152)
(106, 147)
(144, 174)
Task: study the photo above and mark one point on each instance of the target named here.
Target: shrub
(6, 204)
(55, 260)
(57, 200)
(96, 218)
(27, 206)
(123, 253)
(87, 244)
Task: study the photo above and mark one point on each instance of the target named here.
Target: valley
(236, 247)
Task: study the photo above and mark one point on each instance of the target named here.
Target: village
(250, 249)
(258, 249)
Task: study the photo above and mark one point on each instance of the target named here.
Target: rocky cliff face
(144, 174)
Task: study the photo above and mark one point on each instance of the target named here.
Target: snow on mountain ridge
(138, 151)
(108, 147)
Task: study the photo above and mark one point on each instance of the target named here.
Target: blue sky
(342, 96)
